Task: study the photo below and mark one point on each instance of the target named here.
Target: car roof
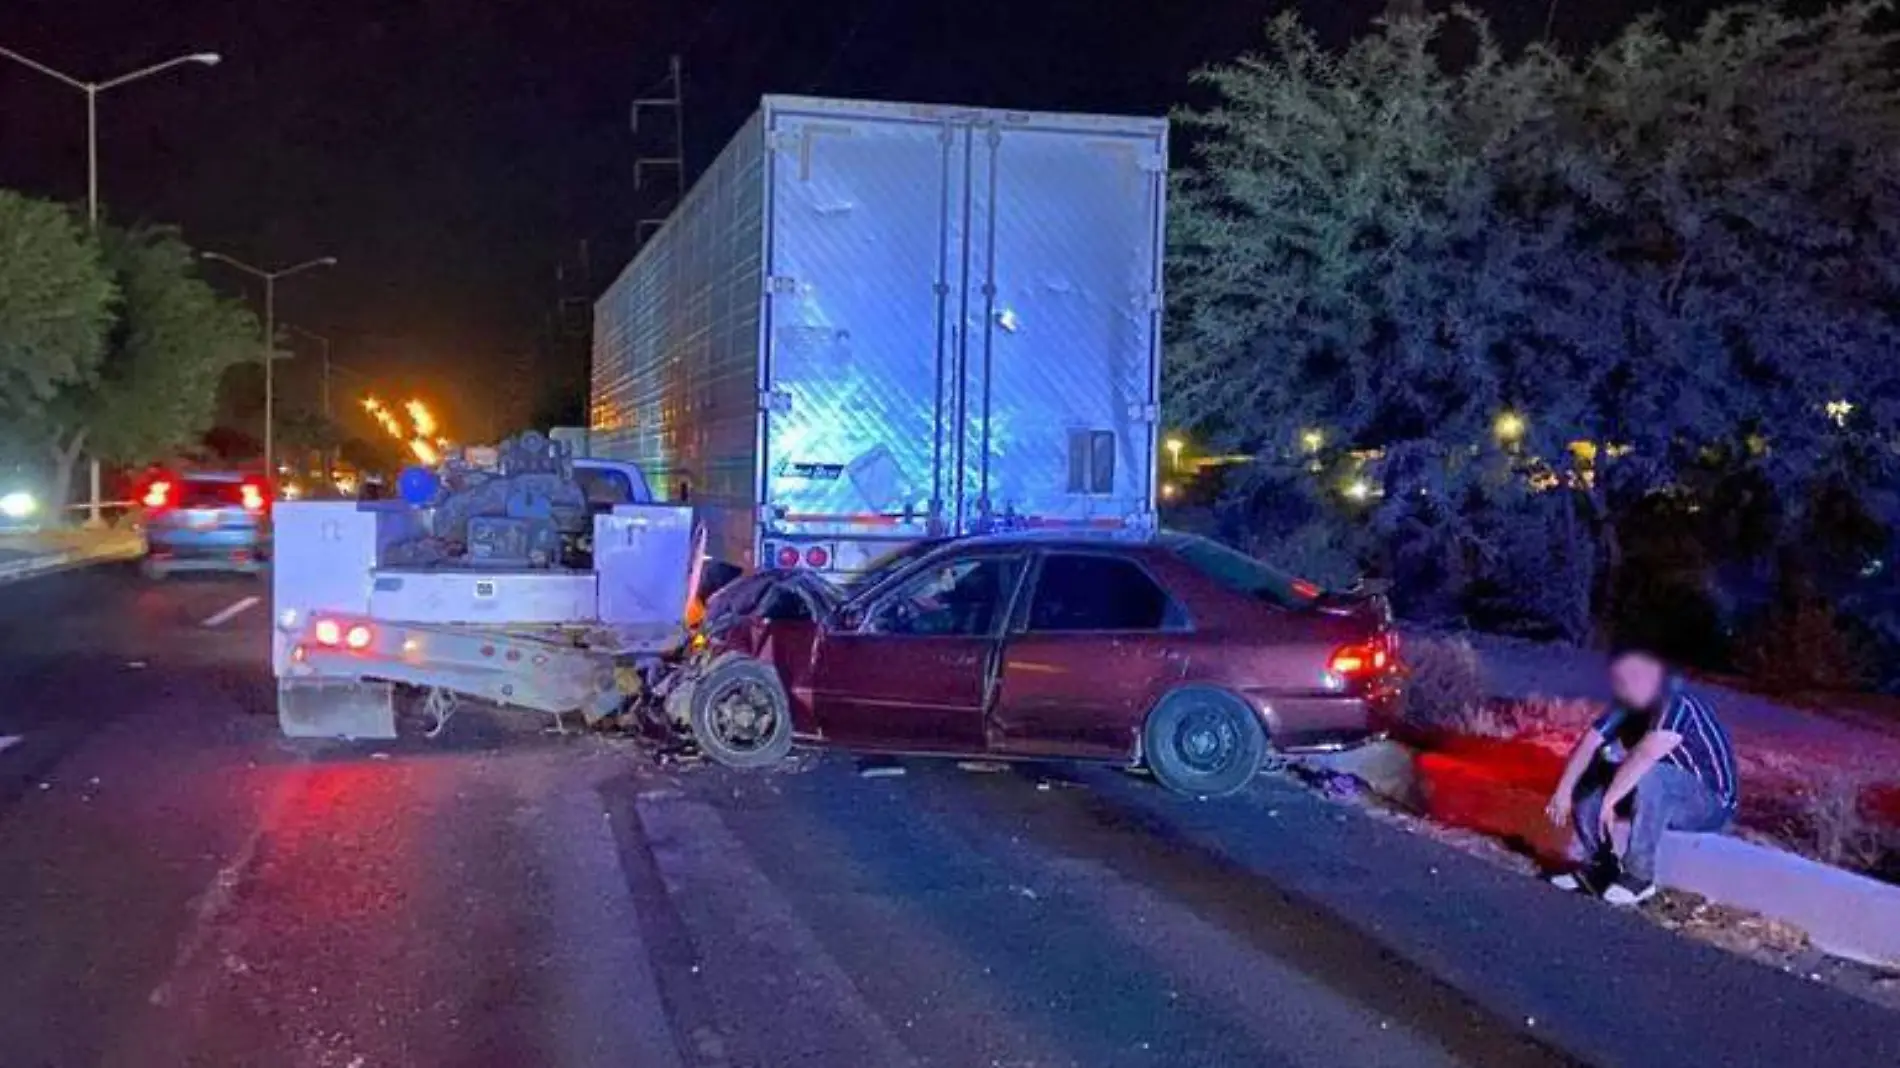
(1059, 539)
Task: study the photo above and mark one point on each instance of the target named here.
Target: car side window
(959, 597)
(604, 488)
(1080, 592)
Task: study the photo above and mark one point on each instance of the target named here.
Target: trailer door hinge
(784, 140)
(775, 401)
(1144, 413)
(1153, 163)
(781, 284)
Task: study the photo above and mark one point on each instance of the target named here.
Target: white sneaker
(1577, 881)
(1627, 892)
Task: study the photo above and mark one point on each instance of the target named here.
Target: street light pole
(270, 339)
(92, 91)
(92, 159)
(270, 368)
(329, 462)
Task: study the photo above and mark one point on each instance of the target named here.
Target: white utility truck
(521, 576)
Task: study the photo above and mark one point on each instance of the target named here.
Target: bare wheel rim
(742, 715)
(1206, 740)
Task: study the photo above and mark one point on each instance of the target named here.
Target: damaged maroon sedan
(1171, 652)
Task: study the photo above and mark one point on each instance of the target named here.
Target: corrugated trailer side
(675, 378)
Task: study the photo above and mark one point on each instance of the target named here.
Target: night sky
(452, 154)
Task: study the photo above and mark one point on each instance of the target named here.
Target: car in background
(205, 521)
(1164, 650)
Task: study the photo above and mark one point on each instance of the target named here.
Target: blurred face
(1637, 679)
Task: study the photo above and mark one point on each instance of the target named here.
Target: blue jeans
(1666, 799)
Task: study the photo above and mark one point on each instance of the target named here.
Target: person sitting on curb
(1658, 760)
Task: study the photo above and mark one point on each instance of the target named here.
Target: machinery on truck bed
(872, 323)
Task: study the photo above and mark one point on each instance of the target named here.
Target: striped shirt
(1705, 752)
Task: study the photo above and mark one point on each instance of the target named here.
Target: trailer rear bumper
(336, 708)
(508, 669)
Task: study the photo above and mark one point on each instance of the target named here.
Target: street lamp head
(209, 59)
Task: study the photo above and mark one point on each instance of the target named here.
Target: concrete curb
(47, 563)
(1845, 915)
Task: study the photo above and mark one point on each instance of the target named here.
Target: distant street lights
(270, 337)
(1509, 427)
(92, 91)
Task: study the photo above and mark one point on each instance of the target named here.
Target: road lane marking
(743, 926)
(218, 896)
(230, 613)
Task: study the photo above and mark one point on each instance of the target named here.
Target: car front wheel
(740, 715)
(1203, 742)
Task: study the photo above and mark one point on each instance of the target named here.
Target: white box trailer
(870, 323)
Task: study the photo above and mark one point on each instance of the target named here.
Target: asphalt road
(179, 886)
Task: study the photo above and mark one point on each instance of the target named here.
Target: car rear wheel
(740, 715)
(1203, 742)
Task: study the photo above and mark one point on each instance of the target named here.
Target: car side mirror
(847, 618)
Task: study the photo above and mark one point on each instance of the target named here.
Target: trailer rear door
(1059, 379)
(862, 220)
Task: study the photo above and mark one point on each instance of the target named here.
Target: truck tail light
(253, 497)
(359, 637)
(817, 556)
(329, 632)
(788, 556)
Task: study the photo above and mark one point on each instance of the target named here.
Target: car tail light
(817, 556)
(788, 556)
(158, 494)
(328, 631)
(359, 637)
(253, 497)
(1365, 659)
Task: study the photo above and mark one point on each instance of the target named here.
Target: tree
(1542, 292)
(56, 305)
(156, 388)
(1344, 274)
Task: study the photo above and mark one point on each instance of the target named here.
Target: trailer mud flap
(336, 708)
